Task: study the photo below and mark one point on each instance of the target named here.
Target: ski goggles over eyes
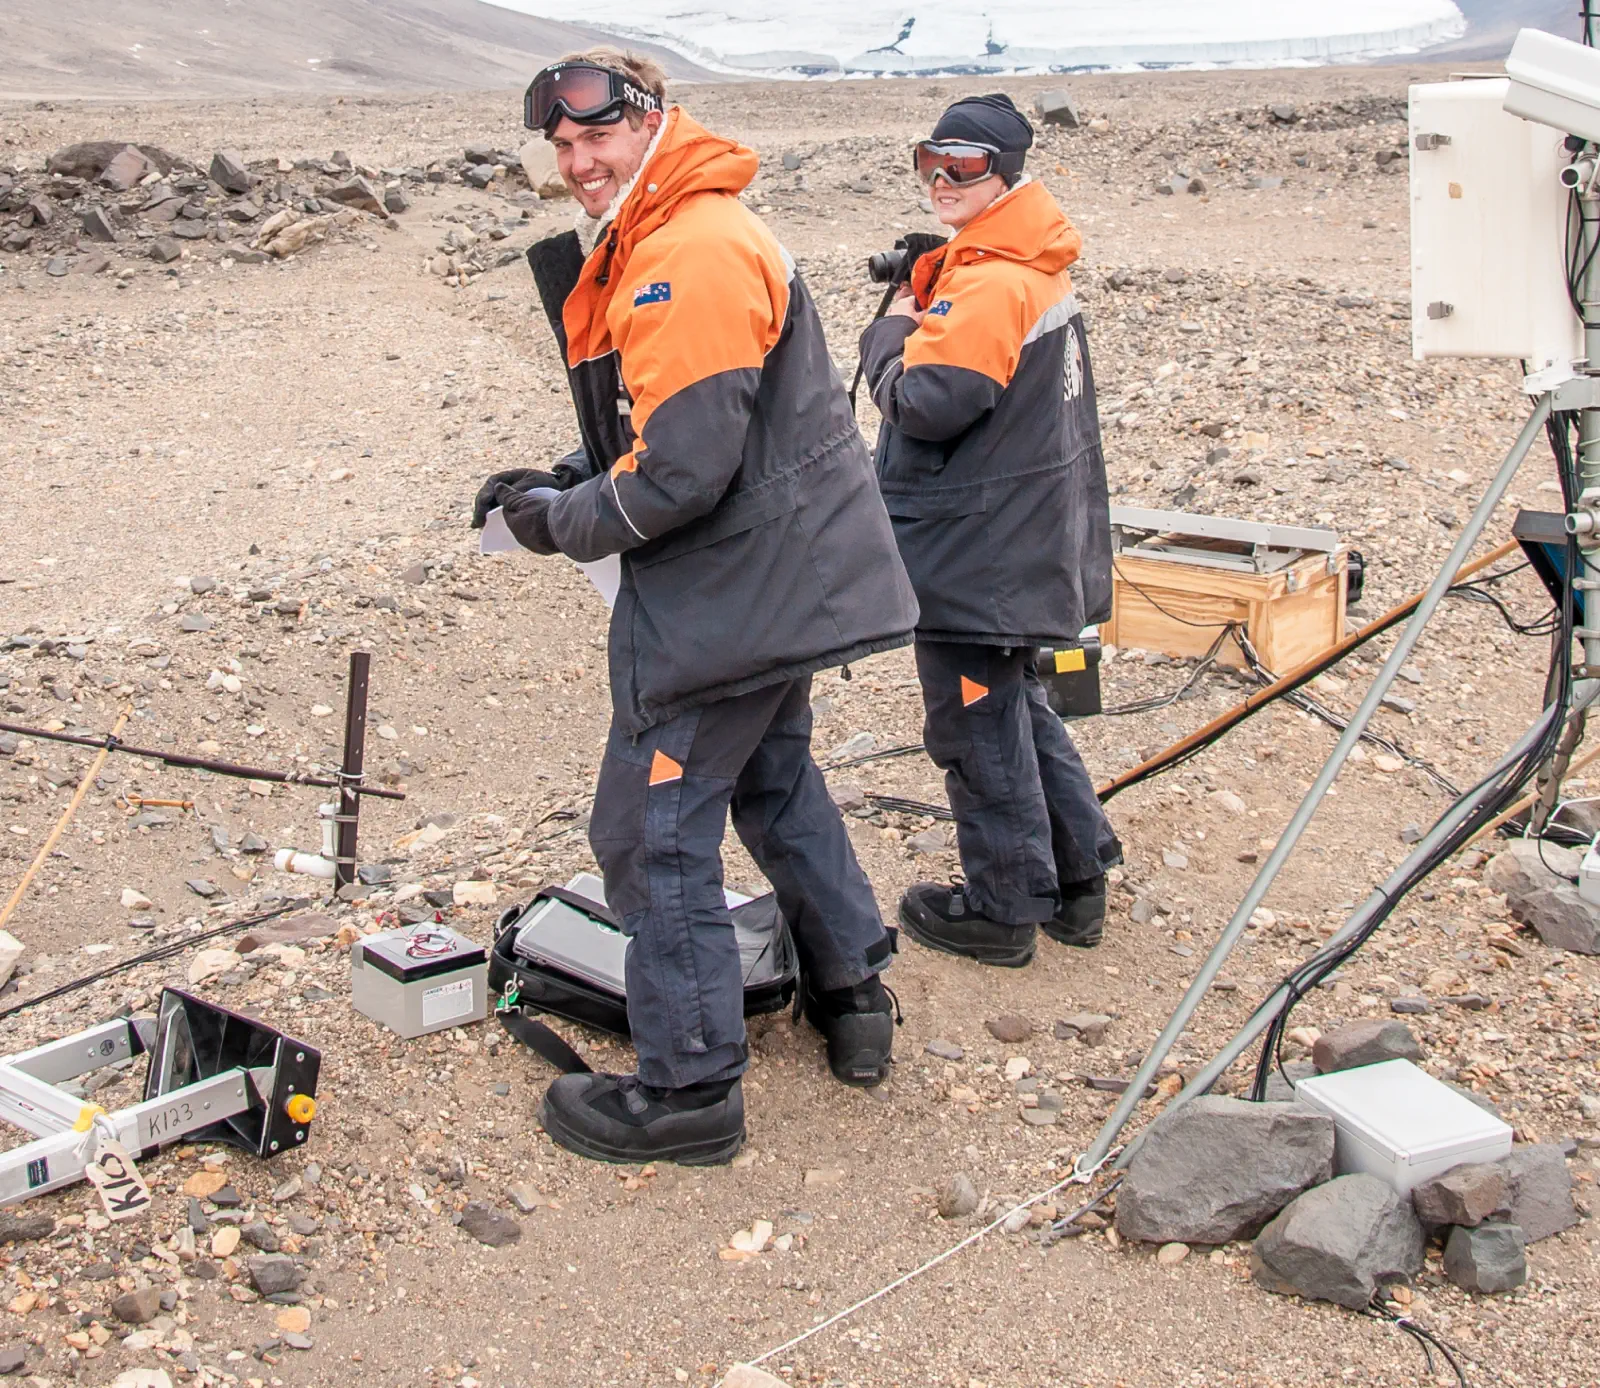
(961, 163)
(584, 92)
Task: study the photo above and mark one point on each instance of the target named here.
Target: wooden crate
(1290, 615)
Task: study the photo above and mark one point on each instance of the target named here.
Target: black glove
(528, 518)
(518, 478)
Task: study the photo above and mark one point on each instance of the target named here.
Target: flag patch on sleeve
(659, 293)
(940, 309)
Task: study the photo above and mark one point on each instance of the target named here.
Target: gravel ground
(308, 434)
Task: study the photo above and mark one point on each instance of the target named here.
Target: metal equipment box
(1398, 1123)
(419, 980)
(1488, 221)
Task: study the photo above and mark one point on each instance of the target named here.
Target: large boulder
(1367, 1042)
(1056, 107)
(1538, 1191)
(90, 159)
(1339, 1242)
(1489, 1258)
(1219, 1168)
(1466, 1195)
(1534, 878)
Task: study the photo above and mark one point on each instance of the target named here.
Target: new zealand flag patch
(660, 293)
(940, 309)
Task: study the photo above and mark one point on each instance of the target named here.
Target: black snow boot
(859, 1023)
(1083, 914)
(616, 1118)
(941, 918)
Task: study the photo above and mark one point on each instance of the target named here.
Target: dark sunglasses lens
(960, 164)
(583, 91)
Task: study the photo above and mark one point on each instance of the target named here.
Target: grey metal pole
(1319, 788)
(1262, 1017)
(1588, 294)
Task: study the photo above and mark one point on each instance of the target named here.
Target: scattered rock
(1011, 1029)
(824, 1176)
(1467, 1195)
(11, 950)
(25, 1228)
(1056, 107)
(228, 171)
(1218, 1169)
(1338, 1242)
(1171, 1254)
(1489, 1258)
(958, 1197)
(933, 840)
(98, 226)
(138, 1307)
(127, 168)
(1367, 1042)
(164, 250)
(489, 1226)
(272, 1273)
(359, 194)
(13, 1359)
(474, 894)
(1538, 1191)
(945, 1050)
(209, 963)
(526, 1198)
(1539, 894)
(1087, 1027)
(259, 1234)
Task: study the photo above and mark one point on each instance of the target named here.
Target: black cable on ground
(150, 956)
(1491, 794)
(1428, 1340)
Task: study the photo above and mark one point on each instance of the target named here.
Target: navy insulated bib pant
(660, 812)
(1027, 818)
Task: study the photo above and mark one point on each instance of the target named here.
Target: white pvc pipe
(311, 864)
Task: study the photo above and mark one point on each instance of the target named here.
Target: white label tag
(446, 1001)
(122, 1189)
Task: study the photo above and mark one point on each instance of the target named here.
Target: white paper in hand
(496, 538)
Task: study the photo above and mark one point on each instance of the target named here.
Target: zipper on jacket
(605, 265)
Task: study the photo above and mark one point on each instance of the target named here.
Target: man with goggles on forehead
(721, 460)
(989, 461)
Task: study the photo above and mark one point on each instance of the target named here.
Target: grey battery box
(419, 980)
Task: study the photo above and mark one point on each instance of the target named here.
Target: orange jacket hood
(688, 160)
(1025, 226)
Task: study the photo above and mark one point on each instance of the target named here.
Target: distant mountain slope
(1493, 24)
(173, 48)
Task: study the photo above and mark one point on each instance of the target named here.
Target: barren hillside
(181, 48)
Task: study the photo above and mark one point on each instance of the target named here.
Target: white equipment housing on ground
(1398, 1123)
(1488, 223)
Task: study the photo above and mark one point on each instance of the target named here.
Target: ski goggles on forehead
(583, 92)
(960, 162)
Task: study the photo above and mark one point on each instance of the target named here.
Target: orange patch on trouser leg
(663, 769)
(971, 692)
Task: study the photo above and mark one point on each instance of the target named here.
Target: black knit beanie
(988, 120)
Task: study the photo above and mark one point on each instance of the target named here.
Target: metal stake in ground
(1308, 806)
(350, 772)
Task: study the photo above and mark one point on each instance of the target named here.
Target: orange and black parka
(989, 455)
(722, 458)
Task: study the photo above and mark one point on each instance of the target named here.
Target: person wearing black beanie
(990, 463)
(987, 120)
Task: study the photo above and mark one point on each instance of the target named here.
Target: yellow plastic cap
(301, 1108)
